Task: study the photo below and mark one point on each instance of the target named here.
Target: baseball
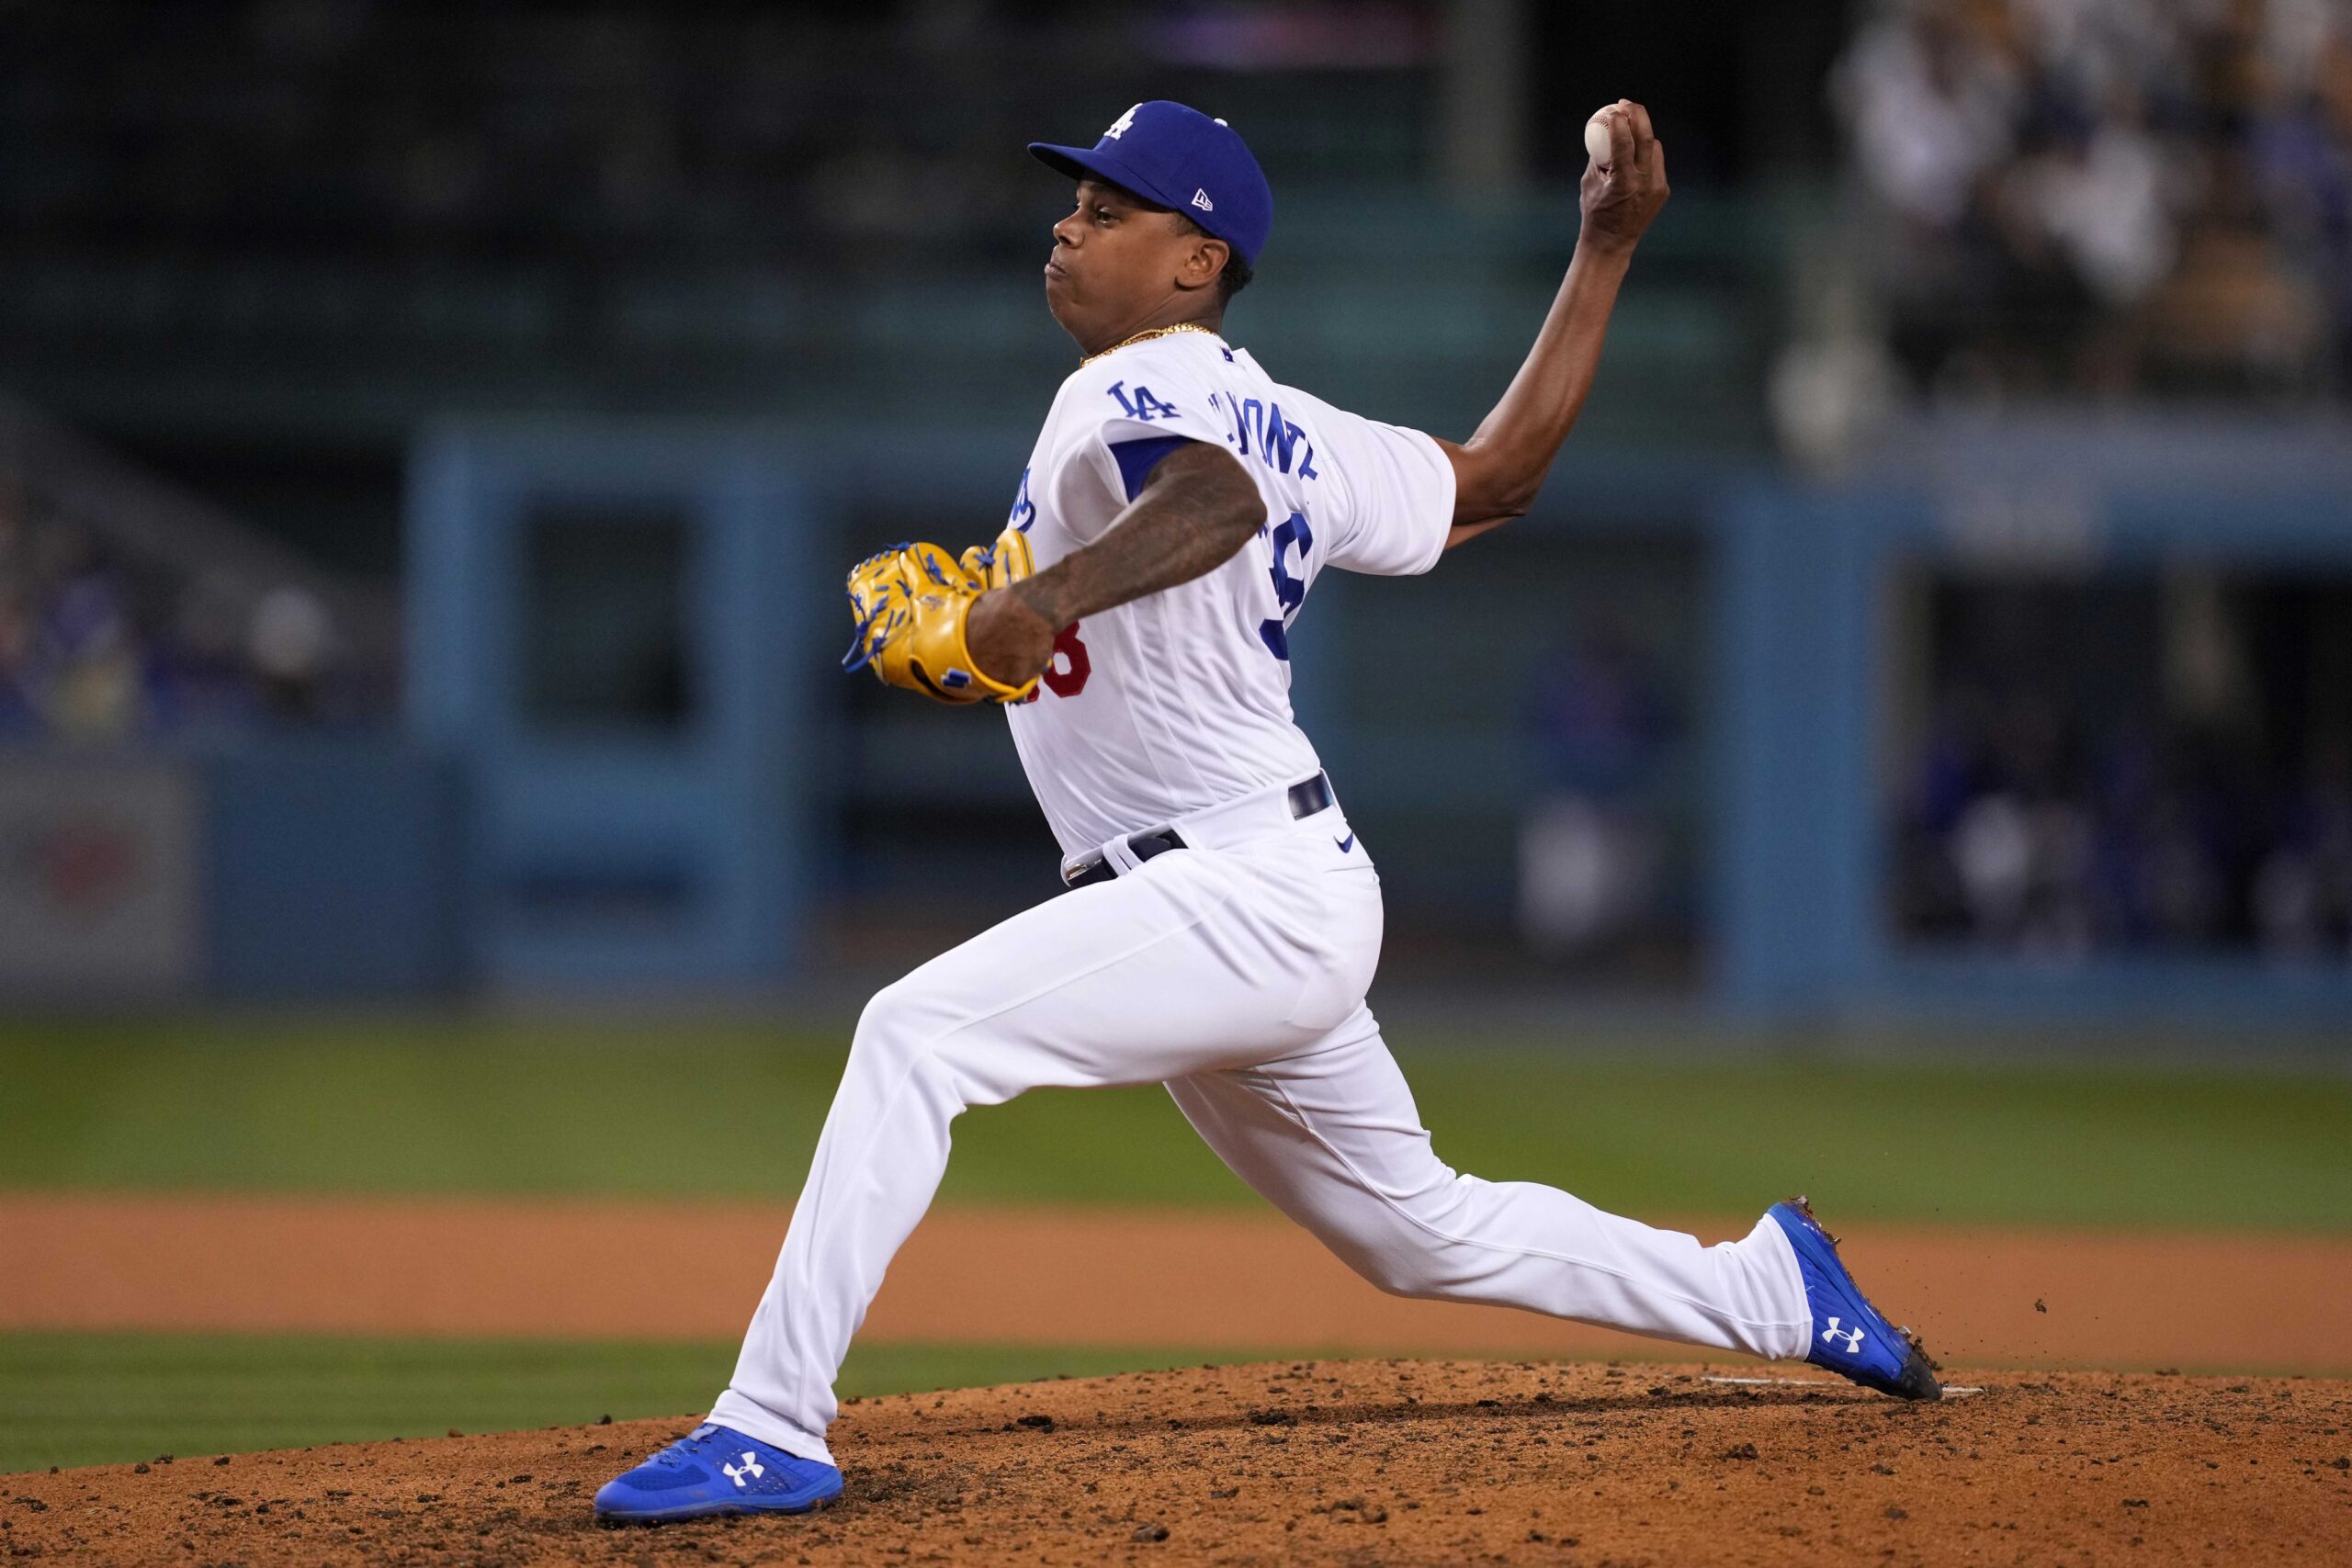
(1596, 137)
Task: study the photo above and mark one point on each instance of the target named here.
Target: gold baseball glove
(910, 604)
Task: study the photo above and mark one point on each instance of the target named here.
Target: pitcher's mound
(1357, 1462)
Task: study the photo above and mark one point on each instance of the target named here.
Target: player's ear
(1204, 262)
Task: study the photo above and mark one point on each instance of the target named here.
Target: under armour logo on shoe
(1852, 1336)
(1201, 200)
(1122, 125)
(754, 1469)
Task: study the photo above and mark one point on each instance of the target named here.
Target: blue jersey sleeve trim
(1137, 459)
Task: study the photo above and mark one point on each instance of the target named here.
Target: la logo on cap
(1122, 125)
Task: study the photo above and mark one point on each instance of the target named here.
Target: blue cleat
(717, 1469)
(1849, 1337)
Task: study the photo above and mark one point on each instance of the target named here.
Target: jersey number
(1066, 673)
(1290, 591)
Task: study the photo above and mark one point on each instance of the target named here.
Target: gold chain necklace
(1146, 336)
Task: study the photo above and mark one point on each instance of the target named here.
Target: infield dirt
(1337, 1461)
(1241, 1284)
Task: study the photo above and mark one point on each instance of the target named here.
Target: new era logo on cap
(1201, 200)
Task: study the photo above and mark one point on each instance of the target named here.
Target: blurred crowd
(2109, 196)
(473, 134)
(2055, 813)
(543, 133)
(96, 646)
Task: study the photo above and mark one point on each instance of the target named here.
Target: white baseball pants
(1235, 974)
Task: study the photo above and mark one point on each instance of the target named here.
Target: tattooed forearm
(1195, 512)
(1197, 509)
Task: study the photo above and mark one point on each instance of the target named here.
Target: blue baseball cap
(1182, 159)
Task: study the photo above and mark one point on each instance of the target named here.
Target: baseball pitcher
(1221, 918)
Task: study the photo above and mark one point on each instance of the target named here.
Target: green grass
(69, 1399)
(714, 1109)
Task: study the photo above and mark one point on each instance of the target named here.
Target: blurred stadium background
(430, 437)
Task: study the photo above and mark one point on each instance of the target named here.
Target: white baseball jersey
(1180, 701)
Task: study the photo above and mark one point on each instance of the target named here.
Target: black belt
(1307, 797)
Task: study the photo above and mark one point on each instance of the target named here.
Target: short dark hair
(1237, 274)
